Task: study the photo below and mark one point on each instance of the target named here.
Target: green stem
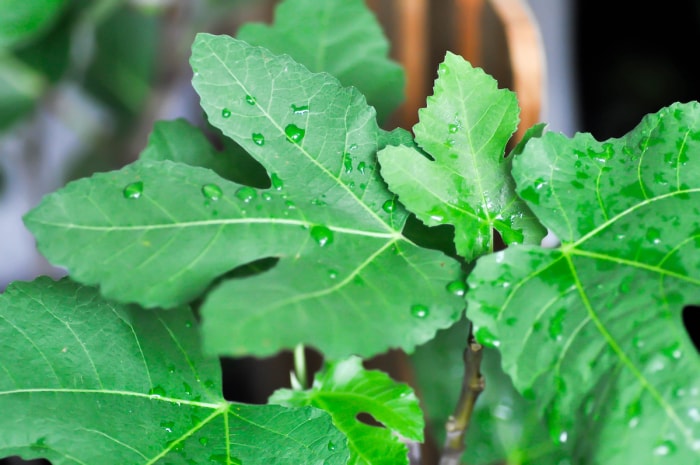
(300, 366)
(472, 385)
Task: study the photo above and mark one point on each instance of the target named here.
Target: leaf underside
(593, 329)
(345, 390)
(465, 128)
(136, 391)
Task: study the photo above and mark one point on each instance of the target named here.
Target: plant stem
(472, 385)
(300, 366)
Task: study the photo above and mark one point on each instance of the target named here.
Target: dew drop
(290, 205)
(277, 183)
(331, 446)
(157, 391)
(133, 190)
(352, 147)
(453, 128)
(225, 113)
(361, 167)
(212, 191)
(266, 196)
(258, 139)
(250, 100)
(187, 388)
(389, 206)
(294, 133)
(209, 384)
(322, 235)
(347, 162)
(332, 274)
(300, 110)
(665, 448)
(246, 194)
(458, 288)
(486, 337)
(420, 311)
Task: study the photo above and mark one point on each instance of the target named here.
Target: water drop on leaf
(212, 191)
(133, 190)
(453, 128)
(420, 311)
(204, 440)
(294, 133)
(389, 206)
(300, 110)
(277, 183)
(225, 113)
(347, 163)
(331, 446)
(246, 194)
(361, 167)
(486, 337)
(258, 139)
(322, 235)
(157, 391)
(332, 274)
(458, 288)
(250, 99)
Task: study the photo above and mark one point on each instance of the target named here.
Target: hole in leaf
(691, 320)
(367, 419)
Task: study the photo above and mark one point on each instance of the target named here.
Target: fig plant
(315, 226)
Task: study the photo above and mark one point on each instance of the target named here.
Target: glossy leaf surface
(464, 128)
(92, 382)
(346, 390)
(347, 42)
(159, 233)
(593, 330)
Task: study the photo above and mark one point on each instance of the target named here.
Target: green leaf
(341, 37)
(180, 141)
(593, 330)
(465, 128)
(20, 88)
(346, 390)
(159, 233)
(88, 381)
(21, 20)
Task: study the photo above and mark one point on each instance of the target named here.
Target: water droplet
(300, 110)
(294, 133)
(167, 425)
(453, 128)
(318, 202)
(389, 206)
(322, 235)
(171, 369)
(486, 337)
(331, 446)
(250, 99)
(133, 190)
(361, 167)
(443, 70)
(187, 388)
(290, 205)
(246, 194)
(204, 440)
(420, 311)
(352, 147)
(347, 162)
(556, 324)
(563, 437)
(665, 448)
(209, 384)
(225, 113)
(458, 288)
(277, 183)
(653, 236)
(332, 274)
(188, 324)
(212, 191)
(157, 391)
(258, 139)
(449, 143)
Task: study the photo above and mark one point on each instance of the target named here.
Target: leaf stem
(300, 372)
(473, 384)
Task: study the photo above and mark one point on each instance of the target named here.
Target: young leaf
(465, 128)
(347, 42)
(593, 329)
(158, 233)
(347, 391)
(88, 381)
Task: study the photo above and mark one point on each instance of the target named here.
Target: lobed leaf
(159, 233)
(347, 42)
(346, 390)
(593, 330)
(88, 381)
(467, 183)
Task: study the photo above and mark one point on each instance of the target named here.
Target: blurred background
(83, 81)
